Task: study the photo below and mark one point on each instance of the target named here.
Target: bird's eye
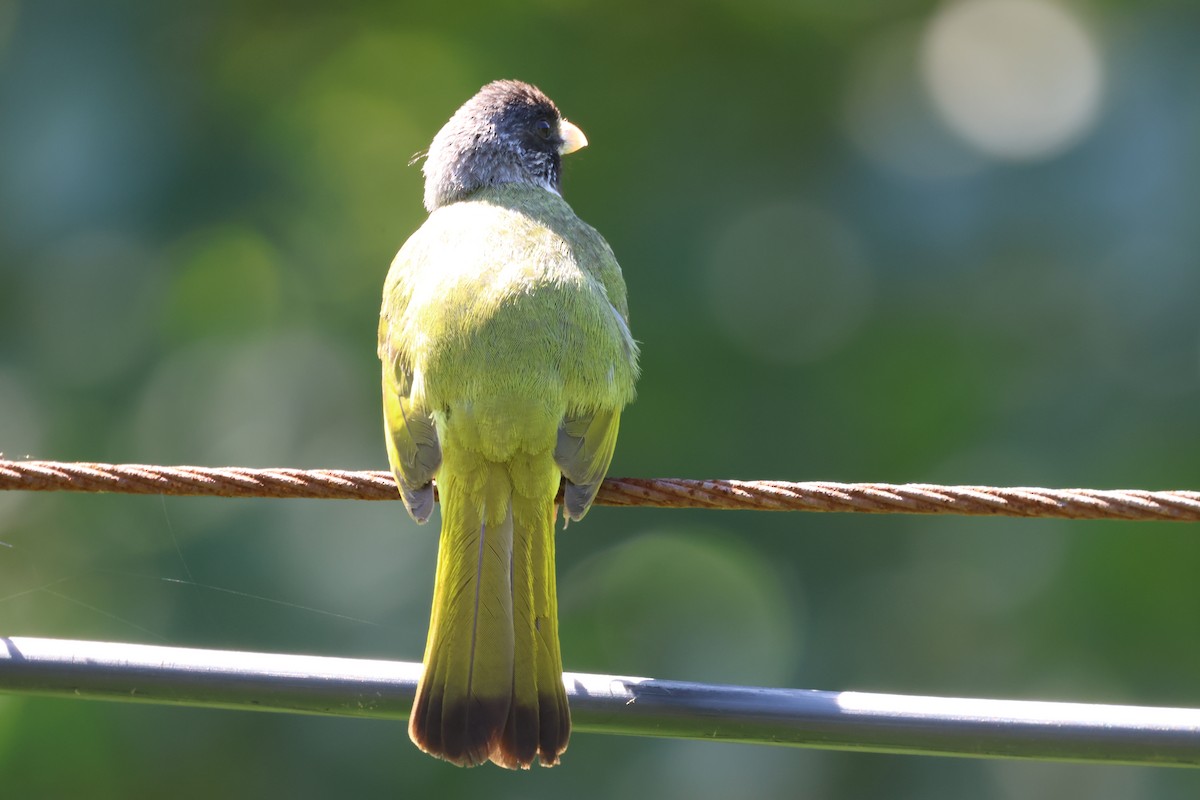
(544, 128)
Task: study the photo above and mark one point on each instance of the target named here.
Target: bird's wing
(584, 450)
(412, 441)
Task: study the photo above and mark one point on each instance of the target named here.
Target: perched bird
(507, 360)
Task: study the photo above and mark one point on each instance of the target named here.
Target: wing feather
(412, 442)
(584, 450)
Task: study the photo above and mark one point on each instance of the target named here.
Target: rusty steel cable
(873, 498)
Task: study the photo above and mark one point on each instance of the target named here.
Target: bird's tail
(492, 685)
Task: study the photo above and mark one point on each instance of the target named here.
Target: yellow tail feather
(492, 686)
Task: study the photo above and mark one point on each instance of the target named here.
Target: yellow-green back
(508, 297)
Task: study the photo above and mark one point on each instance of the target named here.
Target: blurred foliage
(199, 201)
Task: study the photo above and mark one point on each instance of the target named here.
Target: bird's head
(509, 132)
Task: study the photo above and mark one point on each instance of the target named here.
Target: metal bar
(617, 705)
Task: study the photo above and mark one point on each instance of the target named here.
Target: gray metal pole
(614, 704)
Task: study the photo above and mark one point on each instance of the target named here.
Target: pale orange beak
(573, 138)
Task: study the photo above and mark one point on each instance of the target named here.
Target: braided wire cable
(872, 498)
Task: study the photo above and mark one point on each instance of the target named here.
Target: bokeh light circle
(1016, 79)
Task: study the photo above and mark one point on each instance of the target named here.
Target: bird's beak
(573, 138)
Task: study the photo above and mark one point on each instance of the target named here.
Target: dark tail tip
(465, 732)
(471, 732)
(535, 732)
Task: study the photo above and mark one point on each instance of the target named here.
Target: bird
(507, 360)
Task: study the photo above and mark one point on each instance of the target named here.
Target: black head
(509, 132)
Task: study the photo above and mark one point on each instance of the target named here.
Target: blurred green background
(903, 241)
